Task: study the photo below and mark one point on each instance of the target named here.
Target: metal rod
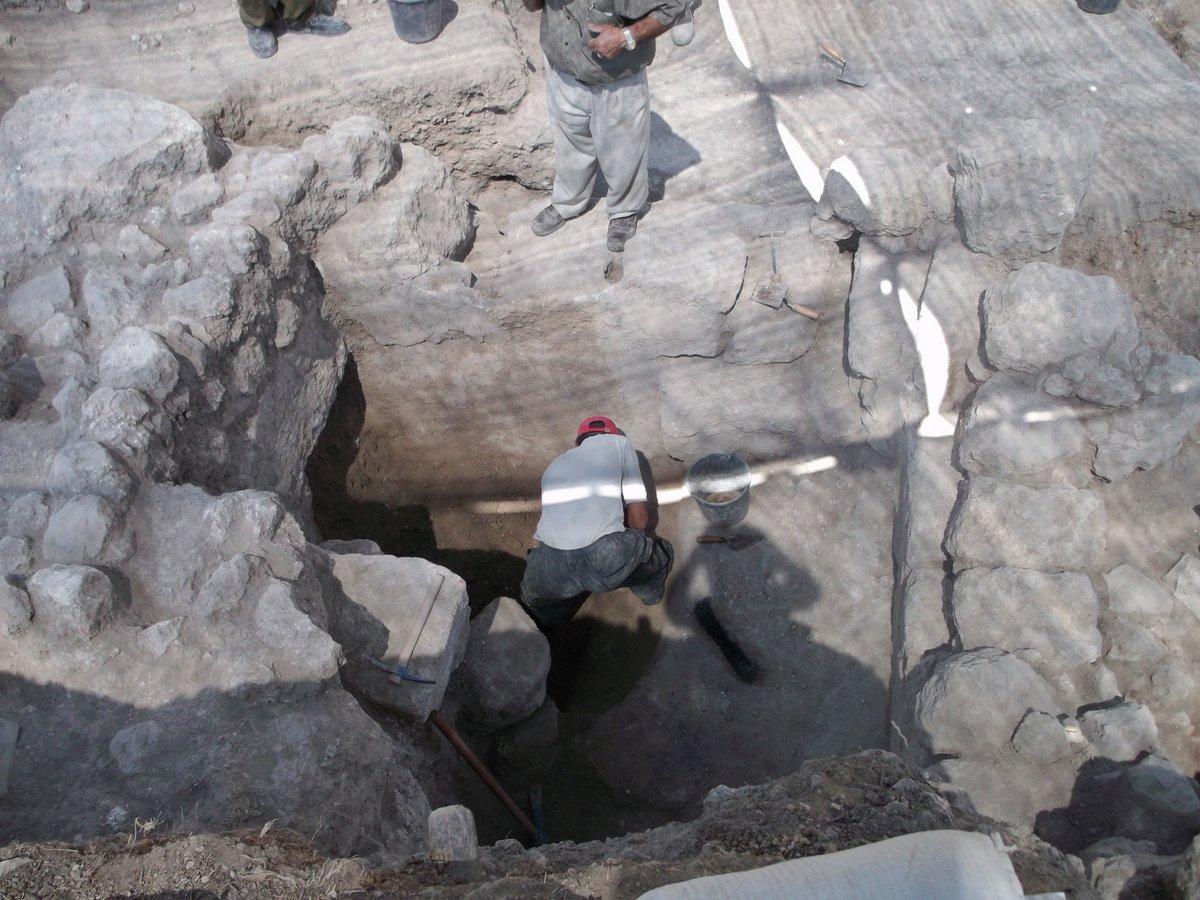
(472, 760)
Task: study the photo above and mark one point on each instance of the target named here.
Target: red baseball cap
(595, 425)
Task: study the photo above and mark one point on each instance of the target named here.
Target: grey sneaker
(323, 25)
(685, 28)
(262, 42)
(619, 231)
(548, 221)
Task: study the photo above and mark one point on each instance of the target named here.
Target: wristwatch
(630, 43)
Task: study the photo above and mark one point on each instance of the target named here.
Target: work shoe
(548, 221)
(685, 29)
(262, 42)
(619, 231)
(322, 25)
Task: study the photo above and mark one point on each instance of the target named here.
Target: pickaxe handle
(410, 645)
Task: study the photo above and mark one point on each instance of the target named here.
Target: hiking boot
(685, 29)
(322, 25)
(548, 221)
(619, 231)
(262, 42)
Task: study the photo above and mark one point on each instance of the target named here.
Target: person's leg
(256, 13)
(296, 13)
(621, 129)
(550, 591)
(570, 106)
(649, 580)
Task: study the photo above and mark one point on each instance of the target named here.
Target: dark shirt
(564, 35)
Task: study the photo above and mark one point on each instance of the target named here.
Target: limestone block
(1019, 182)
(1019, 609)
(207, 304)
(1010, 789)
(938, 189)
(27, 515)
(86, 467)
(255, 208)
(84, 150)
(16, 610)
(85, 529)
(71, 601)
(429, 204)
(1001, 523)
(1131, 593)
(228, 585)
(1120, 732)
(59, 332)
(507, 662)
(118, 417)
(1132, 645)
(362, 546)
(762, 335)
(1152, 431)
(134, 244)
(386, 616)
(256, 522)
(134, 747)
(294, 648)
(193, 202)
(454, 842)
(878, 190)
(1042, 315)
(356, 155)
(283, 174)
(950, 715)
(110, 303)
(226, 250)
(1184, 582)
(928, 493)
(16, 555)
(140, 360)
(1041, 739)
(923, 622)
(35, 301)
(1013, 431)
(1160, 801)
(1095, 381)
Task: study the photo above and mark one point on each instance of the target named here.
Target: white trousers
(605, 127)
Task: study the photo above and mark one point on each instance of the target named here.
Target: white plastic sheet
(930, 865)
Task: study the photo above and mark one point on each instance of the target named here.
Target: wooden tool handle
(802, 309)
(410, 645)
(830, 51)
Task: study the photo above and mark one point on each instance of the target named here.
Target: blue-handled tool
(398, 671)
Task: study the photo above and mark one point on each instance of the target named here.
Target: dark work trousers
(558, 582)
(259, 13)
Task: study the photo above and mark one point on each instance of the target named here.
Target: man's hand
(637, 515)
(608, 40)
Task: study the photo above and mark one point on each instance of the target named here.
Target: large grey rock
(137, 246)
(923, 620)
(1042, 316)
(140, 360)
(85, 529)
(110, 302)
(430, 205)
(71, 601)
(878, 190)
(507, 662)
(226, 250)
(196, 199)
(133, 748)
(1133, 594)
(207, 304)
(356, 155)
(16, 555)
(386, 615)
(1120, 732)
(453, 841)
(1159, 801)
(1001, 523)
(89, 153)
(86, 467)
(125, 419)
(1018, 182)
(1013, 431)
(1184, 582)
(39, 298)
(1041, 739)
(929, 490)
(59, 332)
(1018, 609)
(949, 712)
(16, 611)
(1152, 431)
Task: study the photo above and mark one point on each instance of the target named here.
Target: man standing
(263, 17)
(598, 96)
(589, 495)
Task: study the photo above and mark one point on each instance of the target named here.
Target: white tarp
(930, 865)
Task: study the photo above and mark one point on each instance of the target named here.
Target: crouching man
(592, 533)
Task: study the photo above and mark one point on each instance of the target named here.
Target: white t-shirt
(584, 492)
